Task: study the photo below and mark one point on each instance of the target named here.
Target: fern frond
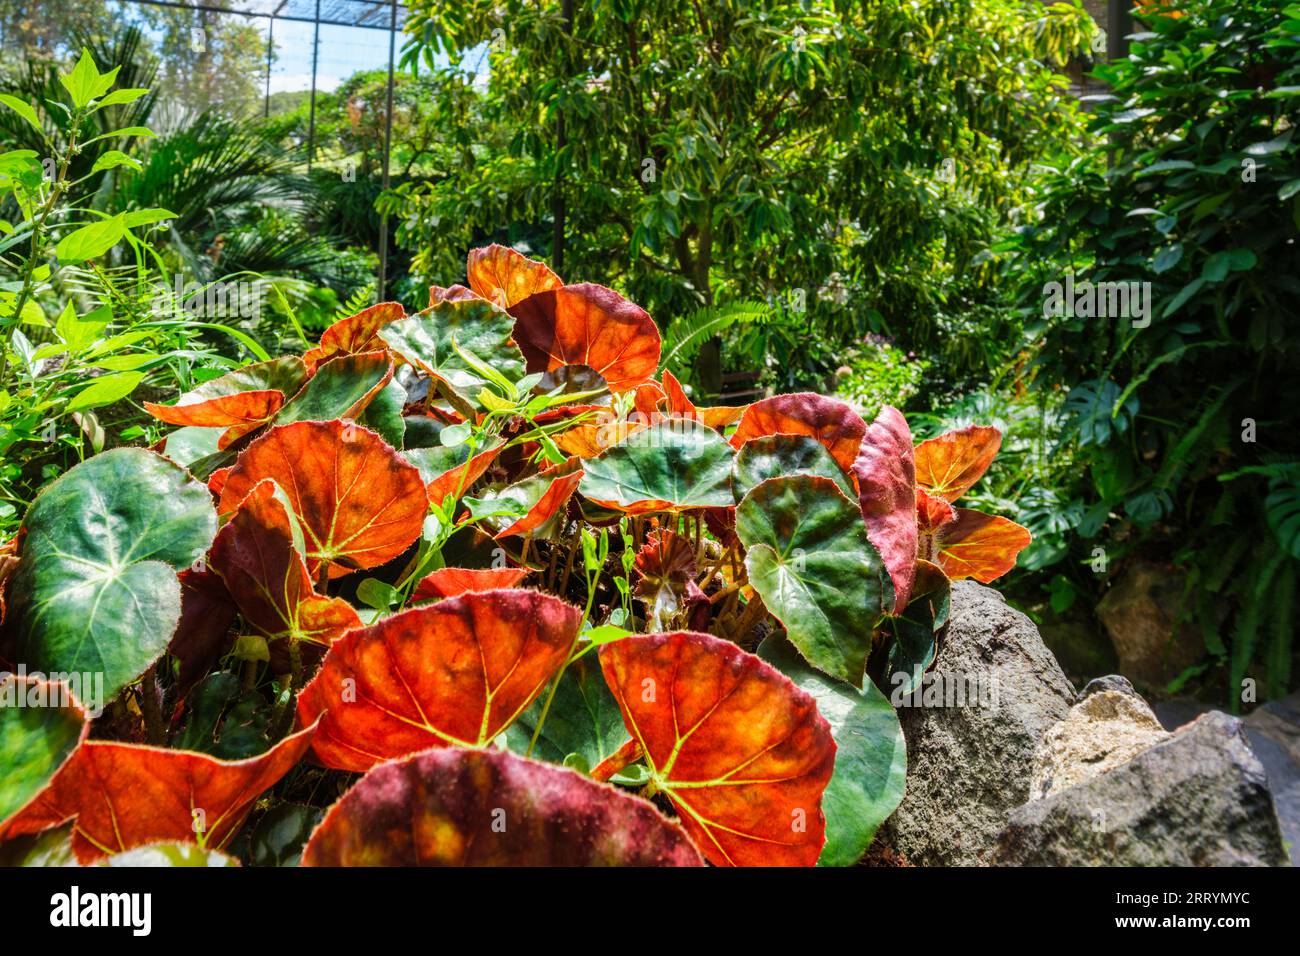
(687, 335)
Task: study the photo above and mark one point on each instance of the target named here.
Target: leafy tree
(700, 152)
(1181, 418)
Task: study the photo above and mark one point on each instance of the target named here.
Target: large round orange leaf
(740, 751)
(450, 582)
(948, 466)
(356, 333)
(127, 795)
(832, 422)
(267, 576)
(225, 411)
(588, 324)
(453, 673)
(501, 275)
(980, 546)
(360, 504)
(456, 807)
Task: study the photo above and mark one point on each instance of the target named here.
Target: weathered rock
(1139, 613)
(969, 765)
(1198, 799)
(1274, 732)
(1108, 727)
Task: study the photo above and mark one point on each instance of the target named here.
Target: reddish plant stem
(629, 753)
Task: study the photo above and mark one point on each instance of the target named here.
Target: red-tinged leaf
(207, 613)
(740, 751)
(720, 416)
(128, 795)
(948, 466)
(455, 673)
(242, 408)
(886, 479)
(980, 546)
(646, 398)
(444, 473)
(455, 807)
(356, 333)
(667, 567)
(832, 422)
(217, 480)
(678, 402)
(932, 516)
(360, 504)
(501, 275)
(41, 725)
(587, 324)
(453, 293)
(266, 574)
(592, 439)
(8, 565)
(543, 495)
(452, 582)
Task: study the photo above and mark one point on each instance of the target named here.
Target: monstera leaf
(739, 750)
(886, 479)
(772, 456)
(41, 724)
(674, 465)
(830, 421)
(259, 556)
(359, 503)
(504, 277)
(591, 325)
(453, 673)
(457, 807)
(95, 590)
(948, 466)
(127, 795)
(870, 755)
(438, 340)
(808, 557)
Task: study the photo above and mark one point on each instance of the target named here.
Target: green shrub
(1181, 422)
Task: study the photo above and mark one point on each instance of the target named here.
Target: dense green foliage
(846, 161)
(1180, 430)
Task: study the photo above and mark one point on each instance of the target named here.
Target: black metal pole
(311, 123)
(388, 145)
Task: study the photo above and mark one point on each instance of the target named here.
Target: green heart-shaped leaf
(458, 342)
(870, 755)
(584, 719)
(809, 559)
(96, 588)
(772, 456)
(675, 464)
